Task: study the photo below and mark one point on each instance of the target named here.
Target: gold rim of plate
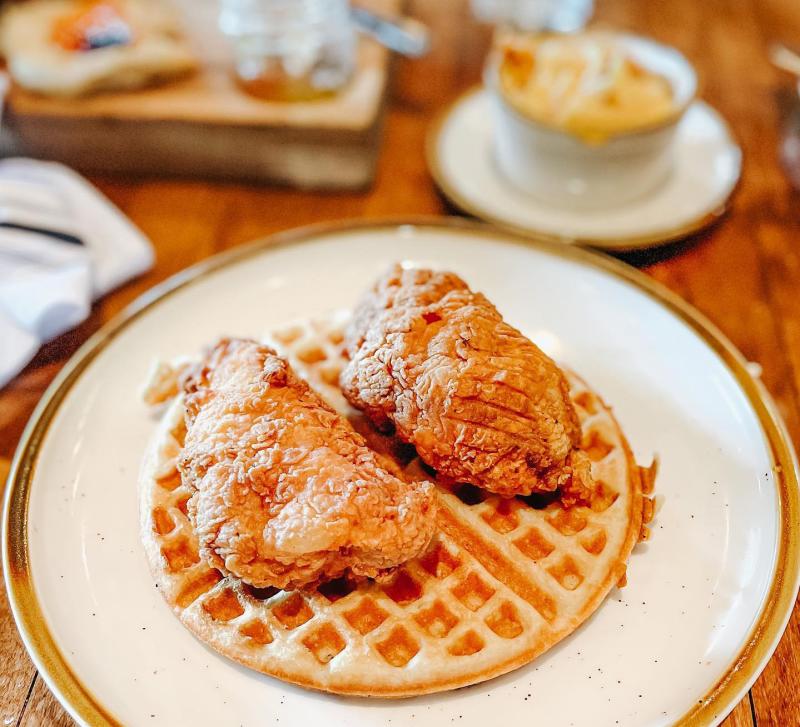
(718, 701)
(620, 244)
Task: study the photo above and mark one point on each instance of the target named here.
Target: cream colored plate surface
(707, 168)
(653, 652)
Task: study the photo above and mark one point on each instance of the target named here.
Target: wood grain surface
(744, 274)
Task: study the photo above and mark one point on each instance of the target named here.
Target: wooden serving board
(206, 126)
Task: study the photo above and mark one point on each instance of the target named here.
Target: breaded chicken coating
(480, 402)
(286, 492)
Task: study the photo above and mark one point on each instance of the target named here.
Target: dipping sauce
(587, 85)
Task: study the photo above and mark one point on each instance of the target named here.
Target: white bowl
(565, 170)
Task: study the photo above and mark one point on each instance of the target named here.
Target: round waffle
(503, 581)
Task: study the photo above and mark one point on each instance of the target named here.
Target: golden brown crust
(478, 400)
(285, 491)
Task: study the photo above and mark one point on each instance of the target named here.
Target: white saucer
(707, 169)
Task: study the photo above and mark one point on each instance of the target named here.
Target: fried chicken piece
(480, 402)
(286, 492)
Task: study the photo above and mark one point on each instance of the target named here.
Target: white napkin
(62, 244)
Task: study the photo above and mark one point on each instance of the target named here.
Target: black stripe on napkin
(55, 234)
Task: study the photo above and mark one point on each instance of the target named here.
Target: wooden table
(744, 274)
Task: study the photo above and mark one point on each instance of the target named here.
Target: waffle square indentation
(534, 544)
(595, 446)
(439, 561)
(467, 644)
(182, 502)
(594, 543)
(437, 620)
(398, 648)
(257, 631)
(502, 517)
(223, 606)
(162, 521)
(196, 587)
(567, 573)
(567, 521)
(403, 589)
(288, 335)
(330, 374)
(505, 621)
(170, 481)
(473, 591)
(603, 497)
(292, 611)
(179, 555)
(366, 616)
(586, 401)
(312, 354)
(324, 642)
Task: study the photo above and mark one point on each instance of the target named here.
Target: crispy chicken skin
(479, 401)
(286, 493)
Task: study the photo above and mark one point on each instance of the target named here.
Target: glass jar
(290, 50)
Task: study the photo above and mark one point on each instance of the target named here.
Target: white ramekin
(564, 170)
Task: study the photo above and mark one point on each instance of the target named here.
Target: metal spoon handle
(406, 36)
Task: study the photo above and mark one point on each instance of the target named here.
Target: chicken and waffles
(410, 499)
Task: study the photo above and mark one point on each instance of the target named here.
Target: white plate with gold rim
(707, 168)
(708, 596)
